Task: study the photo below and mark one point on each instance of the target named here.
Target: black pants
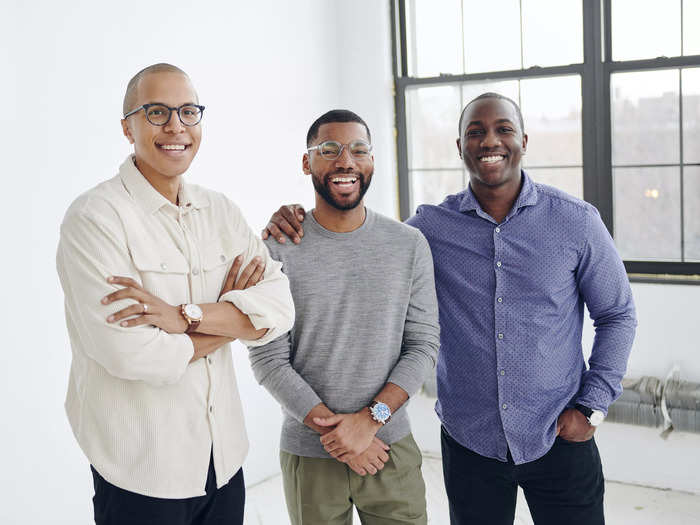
(565, 486)
(115, 506)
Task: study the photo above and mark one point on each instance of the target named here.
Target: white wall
(265, 70)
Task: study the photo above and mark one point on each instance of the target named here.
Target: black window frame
(596, 72)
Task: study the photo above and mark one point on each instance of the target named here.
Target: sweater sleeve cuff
(301, 402)
(408, 378)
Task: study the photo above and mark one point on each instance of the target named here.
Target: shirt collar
(148, 197)
(526, 197)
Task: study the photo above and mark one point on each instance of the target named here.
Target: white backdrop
(265, 70)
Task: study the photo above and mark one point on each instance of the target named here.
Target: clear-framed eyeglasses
(159, 114)
(331, 149)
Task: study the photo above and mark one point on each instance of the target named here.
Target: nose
(174, 125)
(490, 140)
(345, 160)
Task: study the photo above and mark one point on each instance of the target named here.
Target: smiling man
(515, 263)
(149, 266)
(365, 337)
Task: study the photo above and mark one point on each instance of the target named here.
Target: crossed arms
(152, 347)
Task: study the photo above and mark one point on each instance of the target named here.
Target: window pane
(507, 88)
(432, 120)
(691, 115)
(431, 187)
(691, 31)
(552, 32)
(645, 29)
(645, 117)
(691, 212)
(480, 52)
(569, 180)
(434, 37)
(552, 111)
(647, 213)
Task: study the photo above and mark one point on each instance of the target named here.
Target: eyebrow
(499, 121)
(184, 104)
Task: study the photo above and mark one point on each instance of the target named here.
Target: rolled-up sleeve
(269, 303)
(90, 249)
(421, 335)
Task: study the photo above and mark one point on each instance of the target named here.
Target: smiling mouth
(344, 182)
(491, 159)
(173, 147)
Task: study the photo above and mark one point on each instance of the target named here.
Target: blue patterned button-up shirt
(511, 299)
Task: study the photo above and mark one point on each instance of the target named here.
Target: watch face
(381, 412)
(596, 418)
(193, 311)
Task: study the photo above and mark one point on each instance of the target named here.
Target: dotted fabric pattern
(511, 299)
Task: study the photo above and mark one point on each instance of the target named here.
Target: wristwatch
(193, 315)
(594, 417)
(380, 412)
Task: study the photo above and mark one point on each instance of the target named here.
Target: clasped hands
(352, 441)
(152, 310)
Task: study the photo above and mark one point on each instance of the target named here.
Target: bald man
(151, 271)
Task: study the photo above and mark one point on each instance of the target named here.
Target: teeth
(492, 158)
(344, 179)
(176, 147)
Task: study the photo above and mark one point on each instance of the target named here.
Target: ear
(127, 131)
(306, 164)
(524, 142)
(459, 147)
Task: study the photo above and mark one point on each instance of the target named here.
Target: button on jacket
(511, 298)
(145, 417)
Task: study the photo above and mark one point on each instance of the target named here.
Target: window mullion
(596, 132)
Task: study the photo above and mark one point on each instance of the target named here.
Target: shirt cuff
(594, 398)
(247, 305)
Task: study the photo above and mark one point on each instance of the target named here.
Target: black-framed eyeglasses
(331, 149)
(159, 114)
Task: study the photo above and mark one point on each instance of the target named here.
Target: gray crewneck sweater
(366, 314)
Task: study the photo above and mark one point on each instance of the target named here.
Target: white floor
(624, 504)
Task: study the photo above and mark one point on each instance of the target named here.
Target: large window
(610, 94)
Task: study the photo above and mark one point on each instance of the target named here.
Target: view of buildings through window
(654, 129)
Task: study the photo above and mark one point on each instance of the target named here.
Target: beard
(323, 188)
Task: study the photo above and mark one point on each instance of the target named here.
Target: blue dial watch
(380, 412)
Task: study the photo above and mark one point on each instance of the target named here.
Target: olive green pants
(322, 491)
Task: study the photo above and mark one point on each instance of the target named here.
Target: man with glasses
(365, 337)
(515, 263)
(150, 266)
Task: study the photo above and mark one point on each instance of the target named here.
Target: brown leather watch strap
(193, 325)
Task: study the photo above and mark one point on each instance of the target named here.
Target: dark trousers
(564, 486)
(115, 506)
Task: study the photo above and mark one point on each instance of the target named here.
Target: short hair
(131, 87)
(334, 115)
(492, 95)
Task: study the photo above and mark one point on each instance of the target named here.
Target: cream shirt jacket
(144, 416)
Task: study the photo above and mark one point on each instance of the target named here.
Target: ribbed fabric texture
(146, 418)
